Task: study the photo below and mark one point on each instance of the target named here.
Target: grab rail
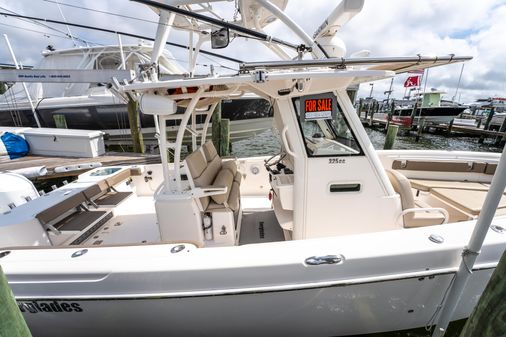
(285, 142)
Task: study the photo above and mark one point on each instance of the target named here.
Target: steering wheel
(268, 163)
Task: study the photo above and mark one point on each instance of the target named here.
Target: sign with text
(64, 75)
(318, 107)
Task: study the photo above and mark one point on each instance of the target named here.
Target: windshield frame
(329, 126)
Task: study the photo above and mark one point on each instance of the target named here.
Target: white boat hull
(341, 310)
(387, 281)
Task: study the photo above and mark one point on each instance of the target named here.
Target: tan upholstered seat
(402, 186)
(208, 170)
(55, 211)
(427, 185)
(469, 201)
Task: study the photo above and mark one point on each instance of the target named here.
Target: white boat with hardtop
(329, 237)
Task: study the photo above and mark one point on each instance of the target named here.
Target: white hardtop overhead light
(151, 104)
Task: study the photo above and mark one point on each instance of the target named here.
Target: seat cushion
(223, 179)
(402, 186)
(468, 201)
(214, 166)
(209, 151)
(427, 185)
(118, 177)
(229, 165)
(238, 178)
(53, 212)
(422, 219)
(196, 163)
(234, 197)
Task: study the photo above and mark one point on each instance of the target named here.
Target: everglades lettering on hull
(48, 306)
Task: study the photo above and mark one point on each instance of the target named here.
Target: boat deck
(260, 227)
(56, 165)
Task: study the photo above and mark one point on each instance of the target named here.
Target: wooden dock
(446, 129)
(54, 164)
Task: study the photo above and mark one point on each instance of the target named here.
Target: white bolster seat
(414, 215)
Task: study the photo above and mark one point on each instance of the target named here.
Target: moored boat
(329, 237)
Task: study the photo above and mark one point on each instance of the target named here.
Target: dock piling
(488, 317)
(502, 137)
(215, 126)
(390, 137)
(371, 116)
(421, 126)
(450, 127)
(360, 105)
(225, 137)
(135, 126)
(221, 132)
(12, 323)
(487, 125)
(489, 118)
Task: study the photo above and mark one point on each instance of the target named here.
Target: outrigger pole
(28, 97)
(218, 23)
(472, 250)
(397, 64)
(117, 32)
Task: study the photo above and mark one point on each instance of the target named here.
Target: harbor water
(268, 143)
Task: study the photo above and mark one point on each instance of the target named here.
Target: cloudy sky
(386, 28)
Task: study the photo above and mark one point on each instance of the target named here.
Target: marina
(275, 199)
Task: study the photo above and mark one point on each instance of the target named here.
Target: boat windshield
(329, 136)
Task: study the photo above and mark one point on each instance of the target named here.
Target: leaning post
(489, 315)
(12, 323)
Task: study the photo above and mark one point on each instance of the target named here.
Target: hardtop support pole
(472, 250)
(292, 25)
(162, 34)
(206, 123)
(180, 135)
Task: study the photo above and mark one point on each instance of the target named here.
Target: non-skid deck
(260, 227)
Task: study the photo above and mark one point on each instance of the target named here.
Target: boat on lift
(329, 237)
(430, 108)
